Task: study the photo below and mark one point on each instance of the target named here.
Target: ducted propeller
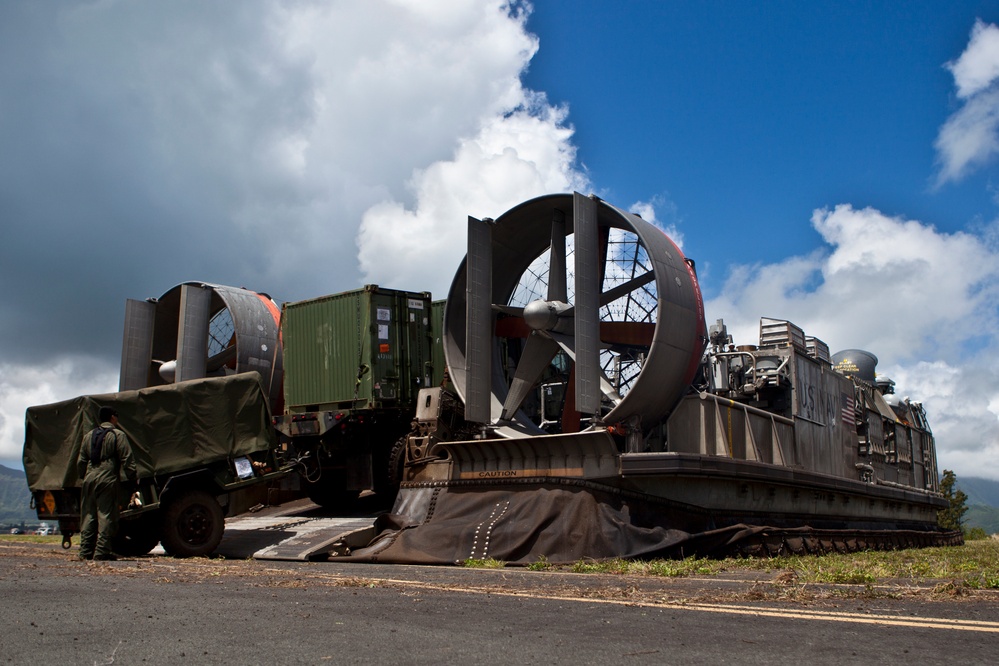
(625, 275)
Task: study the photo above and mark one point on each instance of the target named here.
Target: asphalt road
(158, 610)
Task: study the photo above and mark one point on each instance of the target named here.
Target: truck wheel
(136, 537)
(397, 463)
(192, 525)
(388, 470)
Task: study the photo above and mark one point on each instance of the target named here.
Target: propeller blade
(509, 309)
(479, 320)
(538, 353)
(587, 306)
(558, 289)
(607, 389)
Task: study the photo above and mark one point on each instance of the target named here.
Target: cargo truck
(203, 449)
(354, 363)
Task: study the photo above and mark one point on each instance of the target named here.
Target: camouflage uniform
(101, 491)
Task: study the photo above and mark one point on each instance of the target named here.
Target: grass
(30, 538)
(974, 565)
(488, 563)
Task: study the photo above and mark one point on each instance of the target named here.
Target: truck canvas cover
(171, 428)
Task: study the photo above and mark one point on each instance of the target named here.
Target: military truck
(354, 363)
(203, 449)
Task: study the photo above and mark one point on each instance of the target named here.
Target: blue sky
(832, 163)
(748, 116)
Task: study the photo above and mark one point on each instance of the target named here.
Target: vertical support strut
(192, 332)
(478, 322)
(137, 344)
(587, 304)
(558, 289)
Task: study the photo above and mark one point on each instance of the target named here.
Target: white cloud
(512, 158)
(244, 144)
(978, 67)
(969, 139)
(658, 206)
(925, 302)
(962, 402)
(22, 386)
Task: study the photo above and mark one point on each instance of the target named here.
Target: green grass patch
(487, 563)
(690, 566)
(974, 565)
(30, 538)
(541, 565)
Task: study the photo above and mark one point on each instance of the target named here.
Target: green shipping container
(363, 349)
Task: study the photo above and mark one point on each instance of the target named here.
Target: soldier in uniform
(105, 461)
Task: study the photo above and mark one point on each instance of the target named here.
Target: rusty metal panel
(823, 407)
(890, 471)
(591, 455)
(709, 425)
(365, 348)
(905, 460)
(875, 433)
(692, 428)
(930, 472)
(255, 326)
(780, 333)
(918, 475)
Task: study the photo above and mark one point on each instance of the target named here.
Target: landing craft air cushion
(585, 411)
(601, 418)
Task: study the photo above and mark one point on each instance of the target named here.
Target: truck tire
(397, 463)
(136, 537)
(192, 525)
(388, 470)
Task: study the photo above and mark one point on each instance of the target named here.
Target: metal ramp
(287, 533)
(310, 538)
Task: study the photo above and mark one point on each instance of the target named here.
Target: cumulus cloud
(22, 386)
(512, 158)
(244, 144)
(239, 144)
(963, 408)
(978, 67)
(969, 139)
(660, 206)
(925, 302)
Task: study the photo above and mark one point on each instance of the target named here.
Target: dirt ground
(17, 558)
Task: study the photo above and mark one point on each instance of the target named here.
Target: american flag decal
(846, 403)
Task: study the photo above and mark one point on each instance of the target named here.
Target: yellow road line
(797, 614)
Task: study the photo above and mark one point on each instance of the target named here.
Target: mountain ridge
(15, 498)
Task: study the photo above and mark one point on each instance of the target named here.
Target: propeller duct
(619, 328)
(197, 330)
